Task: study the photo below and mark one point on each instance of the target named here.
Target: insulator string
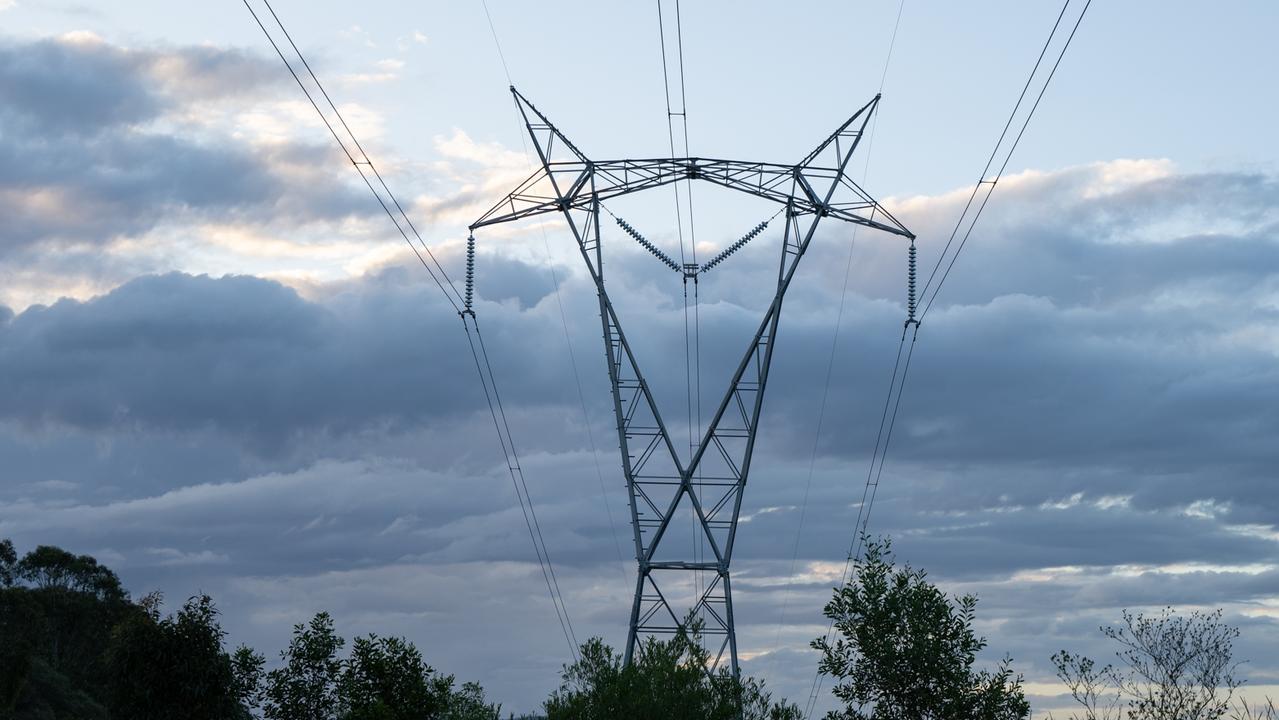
(470, 273)
(912, 269)
(723, 255)
(657, 252)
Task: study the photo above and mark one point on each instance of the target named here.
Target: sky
(221, 370)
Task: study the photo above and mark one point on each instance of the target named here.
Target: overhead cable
(360, 160)
(815, 689)
(896, 387)
(693, 334)
(989, 184)
(559, 303)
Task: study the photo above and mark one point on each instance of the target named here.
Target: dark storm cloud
(1099, 395)
(82, 160)
(1047, 383)
(1023, 399)
(243, 356)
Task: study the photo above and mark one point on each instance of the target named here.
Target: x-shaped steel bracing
(710, 483)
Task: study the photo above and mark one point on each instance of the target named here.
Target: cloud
(119, 161)
(247, 357)
(292, 422)
(104, 146)
(73, 85)
(170, 557)
(81, 85)
(1088, 423)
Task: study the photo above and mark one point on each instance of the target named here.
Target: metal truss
(708, 484)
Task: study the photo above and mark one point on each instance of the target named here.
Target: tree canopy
(903, 650)
(1170, 665)
(74, 646)
(668, 679)
(383, 678)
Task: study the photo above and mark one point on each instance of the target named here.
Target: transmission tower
(663, 484)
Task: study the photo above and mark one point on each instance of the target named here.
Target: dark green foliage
(49, 695)
(21, 626)
(385, 679)
(904, 651)
(72, 645)
(56, 614)
(8, 563)
(382, 679)
(668, 680)
(173, 667)
(469, 703)
(247, 675)
(306, 687)
(52, 568)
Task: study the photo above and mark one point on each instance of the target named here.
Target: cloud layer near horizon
(1089, 423)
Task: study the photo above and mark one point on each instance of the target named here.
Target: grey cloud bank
(1120, 434)
(1089, 423)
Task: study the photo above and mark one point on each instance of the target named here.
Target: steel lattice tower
(661, 484)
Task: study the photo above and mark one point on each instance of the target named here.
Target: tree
(8, 563)
(50, 695)
(668, 679)
(385, 679)
(173, 667)
(21, 621)
(382, 679)
(72, 645)
(306, 687)
(53, 628)
(469, 703)
(1171, 666)
(56, 614)
(48, 567)
(905, 651)
(1094, 689)
(247, 676)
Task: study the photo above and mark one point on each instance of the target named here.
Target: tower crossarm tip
(850, 128)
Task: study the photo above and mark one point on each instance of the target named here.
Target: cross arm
(537, 194)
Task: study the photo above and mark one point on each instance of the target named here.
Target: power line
(559, 303)
(482, 364)
(887, 420)
(885, 431)
(521, 487)
(990, 184)
(497, 43)
(454, 297)
(692, 335)
(834, 343)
